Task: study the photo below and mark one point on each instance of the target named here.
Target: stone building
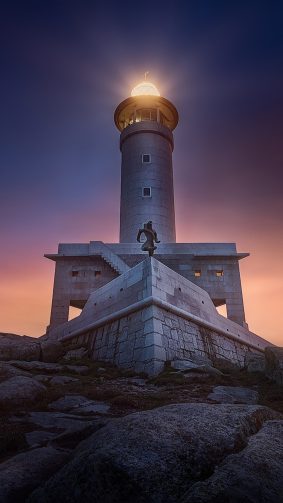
(85, 271)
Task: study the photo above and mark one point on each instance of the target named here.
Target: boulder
(35, 365)
(57, 421)
(45, 378)
(233, 394)
(77, 404)
(22, 473)
(153, 456)
(254, 362)
(59, 380)
(51, 351)
(274, 364)
(17, 347)
(192, 366)
(8, 370)
(253, 475)
(76, 354)
(20, 390)
(78, 369)
(39, 438)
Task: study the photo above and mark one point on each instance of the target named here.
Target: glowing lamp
(145, 88)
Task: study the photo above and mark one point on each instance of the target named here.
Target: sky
(66, 65)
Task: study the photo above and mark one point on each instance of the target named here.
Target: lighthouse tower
(146, 121)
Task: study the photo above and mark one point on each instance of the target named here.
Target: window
(219, 274)
(146, 192)
(75, 273)
(146, 158)
(97, 273)
(146, 114)
(197, 273)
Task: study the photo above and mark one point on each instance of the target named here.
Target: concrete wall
(183, 258)
(151, 314)
(156, 140)
(69, 290)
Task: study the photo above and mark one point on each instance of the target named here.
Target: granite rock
(14, 347)
(153, 456)
(20, 390)
(253, 475)
(77, 404)
(193, 366)
(22, 473)
(233, 394)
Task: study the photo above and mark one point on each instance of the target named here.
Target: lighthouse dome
(145, 88)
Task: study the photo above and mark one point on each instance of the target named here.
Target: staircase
(99, 248)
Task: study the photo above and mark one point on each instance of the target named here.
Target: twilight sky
(65, 65)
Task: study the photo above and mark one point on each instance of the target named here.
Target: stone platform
(150, 315)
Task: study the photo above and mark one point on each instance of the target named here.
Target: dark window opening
(146, 191)
(146, 158)
(75, 273)
(97, 273)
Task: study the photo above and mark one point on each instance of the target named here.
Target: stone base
(150, 315)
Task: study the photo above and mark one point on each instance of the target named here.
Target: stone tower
(146, 121)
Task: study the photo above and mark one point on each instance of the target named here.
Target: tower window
(146, 114)
(219, 274)
(146, 158)
(197, 273)
(146, 192)
(97, 273)
(75, 273)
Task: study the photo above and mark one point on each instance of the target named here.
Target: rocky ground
(73, 430)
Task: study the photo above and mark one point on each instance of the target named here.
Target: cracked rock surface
(77, 430)
(155, 456)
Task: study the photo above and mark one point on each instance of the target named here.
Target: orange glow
(145, 89)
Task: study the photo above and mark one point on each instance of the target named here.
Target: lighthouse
(146, 121)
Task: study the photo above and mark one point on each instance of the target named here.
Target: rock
(274, 364)
(77, 404)
(137, 381)
(76, 354)
(54, 420)
(45, 378)
(196, 376)
(191, 366)
(20, 390)
(22, 473)
(253, 475)
(39, 438)
(225, 365)
(14, 347)
(36, 365)
(8, 370)
(254, 362)
(51, 351)
(233, 394)
(153, 456)
(78, 369)
(63, 380)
